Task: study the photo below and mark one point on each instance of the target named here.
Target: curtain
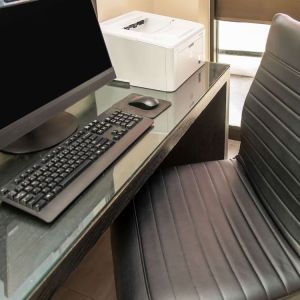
(258, 11)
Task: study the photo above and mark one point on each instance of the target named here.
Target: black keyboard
(47, 187)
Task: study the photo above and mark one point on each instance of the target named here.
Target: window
(241, 45)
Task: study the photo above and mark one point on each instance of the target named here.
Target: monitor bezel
(34, 119)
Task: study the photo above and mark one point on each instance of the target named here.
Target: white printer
(154, 51)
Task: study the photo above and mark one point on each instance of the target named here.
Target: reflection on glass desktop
(54, 55)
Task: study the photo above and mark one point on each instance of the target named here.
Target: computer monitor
(52, 55)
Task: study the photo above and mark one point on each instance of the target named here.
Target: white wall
(185, 9)
(194, 10)
(111, 8)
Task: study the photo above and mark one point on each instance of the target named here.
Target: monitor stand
(46, 135)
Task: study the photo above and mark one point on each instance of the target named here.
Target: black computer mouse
(144, 102)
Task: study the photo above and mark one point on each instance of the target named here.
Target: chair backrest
(270, 130)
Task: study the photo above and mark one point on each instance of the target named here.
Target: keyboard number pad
(125, 120)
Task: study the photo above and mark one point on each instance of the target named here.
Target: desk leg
(207, 138)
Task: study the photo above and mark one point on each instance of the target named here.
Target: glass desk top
(30, 249)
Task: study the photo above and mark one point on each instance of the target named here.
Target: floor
(93, 279)
(233, 148)
(239, 88)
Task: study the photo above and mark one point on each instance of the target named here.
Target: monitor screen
(49, 48)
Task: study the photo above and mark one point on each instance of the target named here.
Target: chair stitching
(217, 235)
(271, 189)
(271, 153)
(272, 172)
(233, 230)
(279, 82)
(160, 242)
(267, 221)
(246, 108)
(175, 226)
(278, 59)
(273, 217)
(141, 251)
(194, 226)
(284, 86)
(276, 118)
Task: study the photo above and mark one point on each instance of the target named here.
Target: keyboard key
(41, 178)
(38, 173)
(56, 190)
(32, 178)
(99, 152)
(35, 199)
(102, 142)
(39, 205)
(4, 191)
(72, 176)
(25, 183)
(49, 197)
(18, 180)
(28, 188)
(130, 124)
(30, 170)
(42, 185)
(69, 170)
(19, 188)
(46, 190)
(58, 179)
(26, 199)
(52, 185)
(19, 196)
(36, 190)
(11, 195)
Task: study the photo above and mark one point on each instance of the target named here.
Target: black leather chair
(226, 229)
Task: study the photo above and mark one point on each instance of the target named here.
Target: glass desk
(35, 257)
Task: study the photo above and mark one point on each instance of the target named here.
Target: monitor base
(45, 136)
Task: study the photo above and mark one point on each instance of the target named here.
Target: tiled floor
(94, 278)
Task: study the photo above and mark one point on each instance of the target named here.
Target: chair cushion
(199, 232)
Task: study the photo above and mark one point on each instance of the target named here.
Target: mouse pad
(152, 113)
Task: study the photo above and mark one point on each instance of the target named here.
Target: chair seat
(199, 232)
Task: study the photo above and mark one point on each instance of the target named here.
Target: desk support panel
(207, 137)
